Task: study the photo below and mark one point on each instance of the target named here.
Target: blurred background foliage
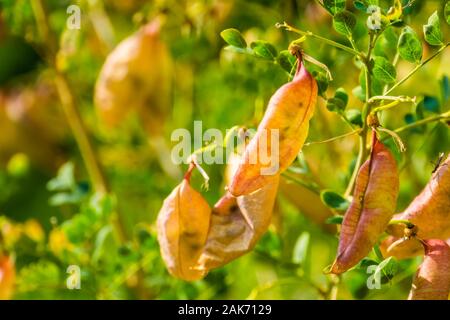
(52, 218)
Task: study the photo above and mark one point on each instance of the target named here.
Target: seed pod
(7, 277)
(135, 78)
(430, 210)
(373, 205)
(182, 224)
(289, 112)
(403, 248)
(432, 280)
(237, 224)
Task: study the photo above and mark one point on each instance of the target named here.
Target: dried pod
(401, 248)
(432, 280)
(430, 210)
(7, 277)
(288, 115)
(373, 205)
(237, 223)
(183, 223)
(136, 77)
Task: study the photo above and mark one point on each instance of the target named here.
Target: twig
(334, 138)
(443, 116)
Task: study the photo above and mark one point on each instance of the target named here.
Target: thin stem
(444, 116)
(418, 67)
(73, 117)
(386, 106)
(334, 138)
(353, 43)
(308, 186)
(288, 27)
(393, 98)
(362, 153)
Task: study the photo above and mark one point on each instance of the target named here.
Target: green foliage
(409, 46)
(234, 38)
(334, 200)
(432, 30)
(344, 22)
(52, 215)
(383, 70)
(334, 6)
(264, 49)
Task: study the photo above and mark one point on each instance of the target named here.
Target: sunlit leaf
(432, 30)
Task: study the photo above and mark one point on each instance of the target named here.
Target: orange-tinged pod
(288, 114)
(7, 277)
(400, 248)
(432, 280)
(237, 223)
(183, 223)
(373, 205)
(136, 77)
(430, 210)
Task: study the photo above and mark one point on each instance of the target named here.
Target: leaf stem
(288, 27)
(334, 138)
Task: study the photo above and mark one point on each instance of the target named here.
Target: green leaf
(361, 6)
(344, 22)
(366, 262)
(387, 43)
(64, 180)
(300, 252)
(387, 268)
(383, 70)
(431, 104)
(334, 6)
(339, 102)
(334, 220)
(409, 46)
(333, 200)
(342, 95)
(264, 49)
(234, 38)
(432, 30)
(286, 60)
(322, 82)
(377, 251)
(335, 104)
(447, 12)
(354, 116)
